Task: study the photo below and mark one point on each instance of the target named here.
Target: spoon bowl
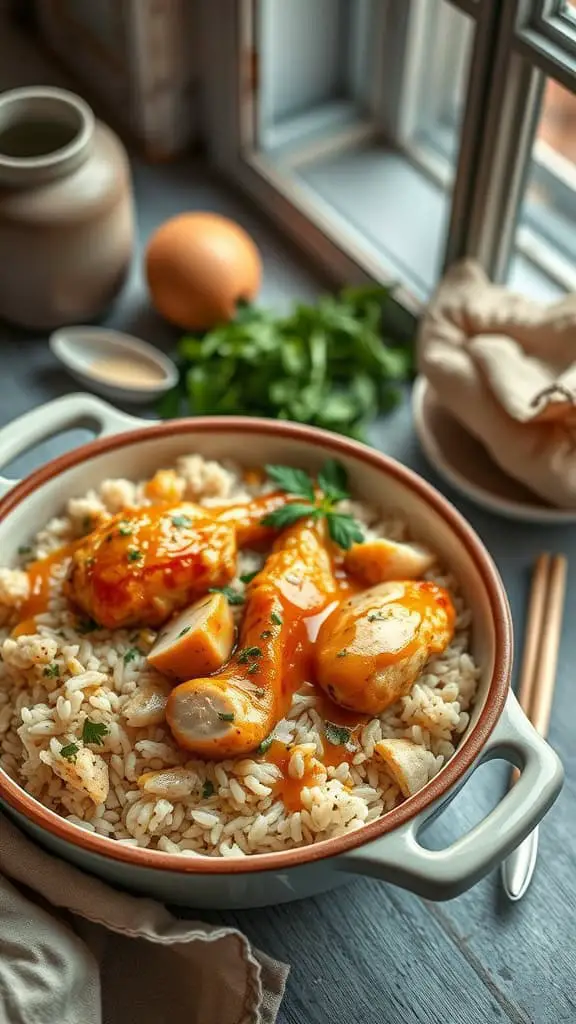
(115, 365)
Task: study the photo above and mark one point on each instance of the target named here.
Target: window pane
(547, 223)
(440, 92)
(308, 62)
(360, 106)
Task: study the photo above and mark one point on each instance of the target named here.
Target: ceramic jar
(66, 216)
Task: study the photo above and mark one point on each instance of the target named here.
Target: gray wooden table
(372, 953)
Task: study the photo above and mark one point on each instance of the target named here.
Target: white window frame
(514, 46)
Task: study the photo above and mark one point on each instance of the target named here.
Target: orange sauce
(40, 574)
(289, 789)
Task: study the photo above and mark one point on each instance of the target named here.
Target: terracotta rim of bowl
(450, 774)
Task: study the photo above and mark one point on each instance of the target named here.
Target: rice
(134, 785)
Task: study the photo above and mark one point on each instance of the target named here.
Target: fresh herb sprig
(320, 501)
(328, 364)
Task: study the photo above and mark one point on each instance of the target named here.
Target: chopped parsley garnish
(333, 481)
(336, 734)
(94, 732)
(52, 671)
(69, 751)
(184, 631)
(253, 668)
(134, 556)
(249, 576)
(266, 634)
(225, 716)
(125, 531)
(375, 616)
(130, 654)
(231, 595)
(342, 654)
(207, 790)
(275, 619)
(266, 744)
(24, 549)
(179, 521)
(247, 653)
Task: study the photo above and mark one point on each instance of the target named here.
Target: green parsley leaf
(231, 595)
(328, 363)
(180, 521)
(69, 751)
(275, 619)
(247, 653)
(288, 514)
(24, 549)
(293, 481)
(125, 531)
(134, 556)
(93, 732)
(343, 529)
(249, 576)
(342, 654)
(337, 735)
(225, 717)
(184, 631)
(266, 744)
(207, 790)
(130, 654)
(333, 479)
(253, 668)
(52, 671)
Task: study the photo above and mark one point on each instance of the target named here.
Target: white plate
(465, 464)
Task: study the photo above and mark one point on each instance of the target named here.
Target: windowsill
(400, 213)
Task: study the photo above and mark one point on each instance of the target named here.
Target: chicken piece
(142, 565)
(377, 561)
(197, 641)
(146, 563)
(229, 714)
(147, 704)
(409, 764)
(85, 771)
(371, 649)
(247, 517)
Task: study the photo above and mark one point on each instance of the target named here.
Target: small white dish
(117, 366)
(464, 463)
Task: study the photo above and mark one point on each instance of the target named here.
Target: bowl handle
(399, 858)
(77, 410)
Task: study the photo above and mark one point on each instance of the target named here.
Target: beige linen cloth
(75, 951)
(505, 367)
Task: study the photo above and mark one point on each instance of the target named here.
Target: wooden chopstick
(542, 641)
(545, 673)
(534, 623)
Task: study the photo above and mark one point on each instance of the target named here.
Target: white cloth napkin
(505, 367)
(75, 951)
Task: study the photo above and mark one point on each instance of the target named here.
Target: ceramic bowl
(467, 466)
(389, 848)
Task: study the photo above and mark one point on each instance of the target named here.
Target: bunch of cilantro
(326, 364)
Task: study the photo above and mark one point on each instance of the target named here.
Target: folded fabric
(505, 368)
(73, 950)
